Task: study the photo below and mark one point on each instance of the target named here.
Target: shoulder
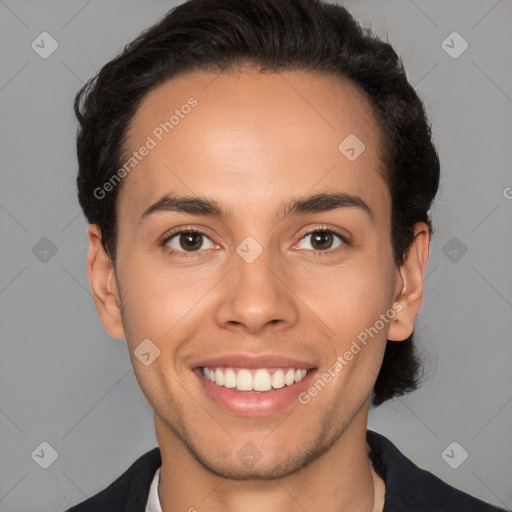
(129, 492)
(409, 487)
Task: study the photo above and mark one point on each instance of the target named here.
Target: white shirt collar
(153, 503)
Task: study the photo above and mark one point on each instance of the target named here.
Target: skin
(253, 141)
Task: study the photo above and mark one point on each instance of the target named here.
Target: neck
(342, 478)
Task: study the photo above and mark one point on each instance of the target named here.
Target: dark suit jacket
(408, 488)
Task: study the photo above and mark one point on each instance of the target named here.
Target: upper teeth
(255, 379)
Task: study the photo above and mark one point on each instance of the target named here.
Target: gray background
(64, 381)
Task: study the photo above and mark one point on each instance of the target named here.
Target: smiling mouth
(255, 379)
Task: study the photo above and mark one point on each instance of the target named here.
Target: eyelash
(183, 254)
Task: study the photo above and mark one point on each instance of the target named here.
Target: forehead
(261, 135)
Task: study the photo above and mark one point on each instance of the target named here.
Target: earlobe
(103, 284)
(410, 284)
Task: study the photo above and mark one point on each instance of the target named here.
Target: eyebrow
(199, 205)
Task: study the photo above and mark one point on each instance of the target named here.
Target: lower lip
(254, 403)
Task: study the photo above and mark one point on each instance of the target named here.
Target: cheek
(347, 298)
(156, 297)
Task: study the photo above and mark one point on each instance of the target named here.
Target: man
(257, 175)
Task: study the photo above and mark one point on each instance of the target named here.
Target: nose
(256, 296)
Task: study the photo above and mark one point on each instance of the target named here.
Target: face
(273, 274)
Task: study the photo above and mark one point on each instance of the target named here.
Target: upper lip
(253, 361)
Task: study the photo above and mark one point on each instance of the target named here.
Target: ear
(409, 284)
(104, 284)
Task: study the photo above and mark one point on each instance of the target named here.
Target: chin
(251, 464)
(258, 471)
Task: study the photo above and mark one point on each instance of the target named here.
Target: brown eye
(321, 240)
(187, 241)
(190, 241)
